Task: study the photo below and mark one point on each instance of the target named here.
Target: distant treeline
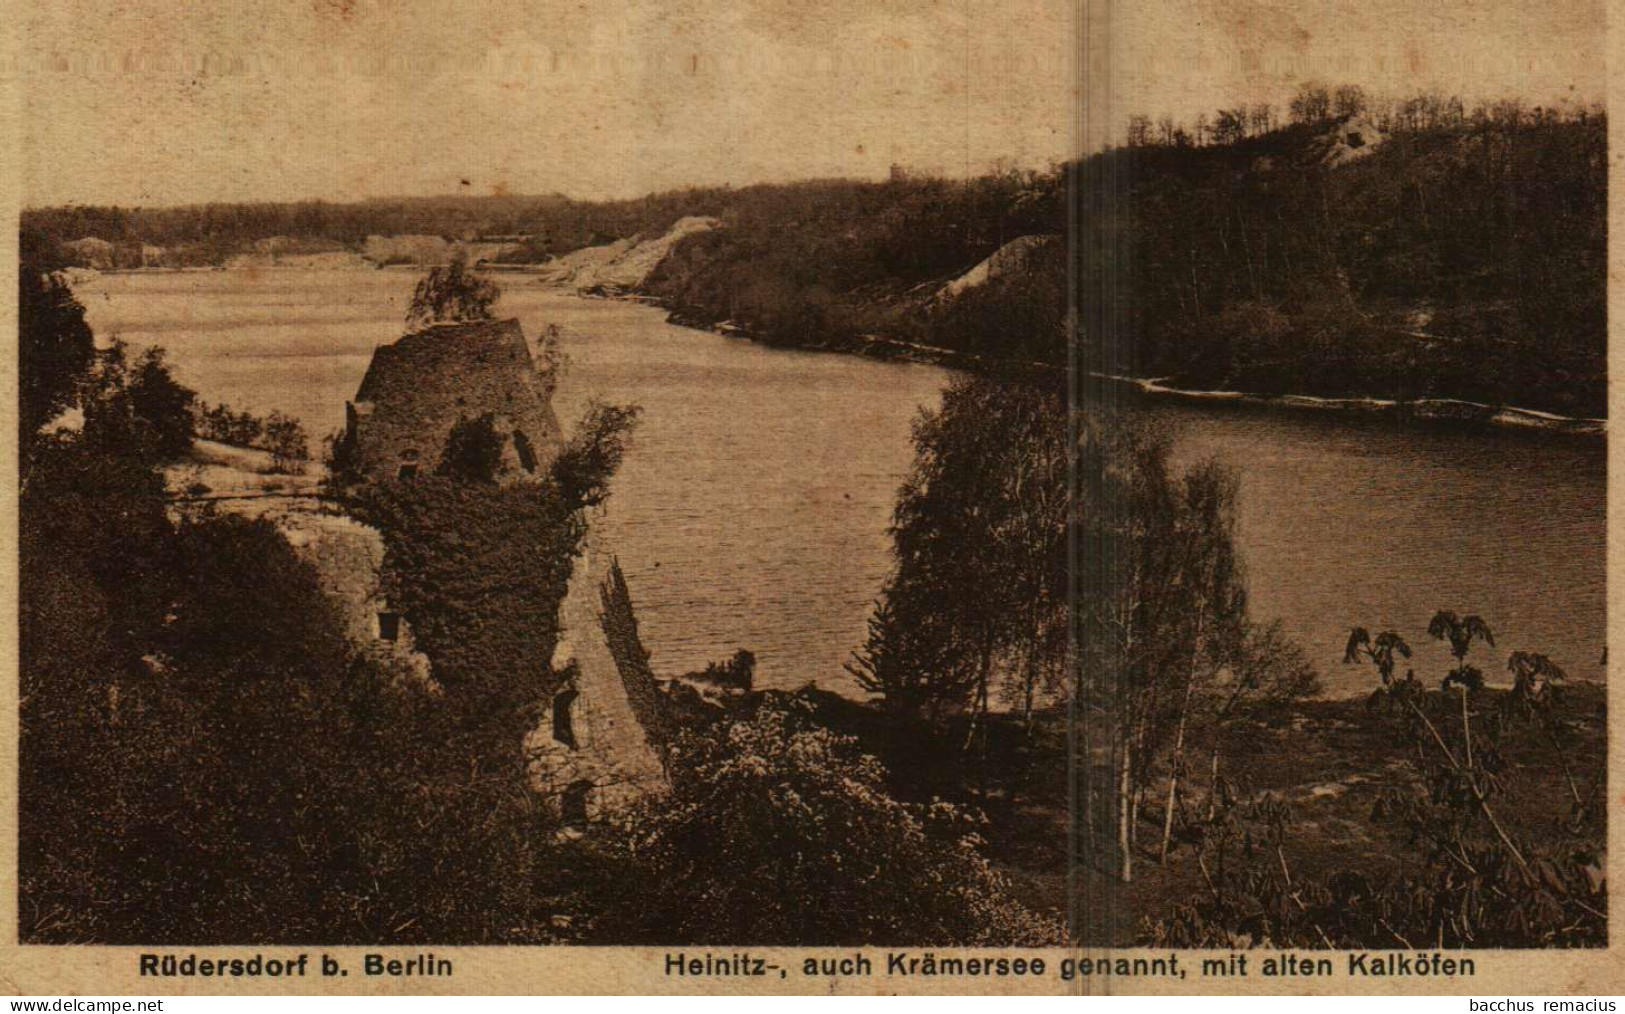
(210, 234)
(1349, 244)
(1316, 101)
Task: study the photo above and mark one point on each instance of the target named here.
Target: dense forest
(1447, 256)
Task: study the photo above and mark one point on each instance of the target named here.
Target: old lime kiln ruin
(599, 742)
(419, 387)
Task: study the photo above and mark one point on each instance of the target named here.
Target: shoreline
(1458, 411)
(1448, 410)
(1436, 410)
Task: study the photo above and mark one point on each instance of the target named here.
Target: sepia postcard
(759, 496)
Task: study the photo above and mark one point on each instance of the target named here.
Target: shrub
(54, 346)
(222, 424)
(583, 468)
(452, 292)
(136, 409)
(286, 440)
(779, 832)
(203, 760)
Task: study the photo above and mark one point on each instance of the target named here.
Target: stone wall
(619, 625)
(417, 389)
(348, 558)
(611, 751)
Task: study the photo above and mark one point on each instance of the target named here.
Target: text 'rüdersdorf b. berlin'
(288, 966)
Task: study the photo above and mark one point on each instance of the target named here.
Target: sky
(1185, 57)
(157, 102)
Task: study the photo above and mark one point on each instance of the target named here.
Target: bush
(54, 345)
(223, 425)
(285, 439)
(204, 761)
(734, 676)
(779, 832)
(583, 468)
(136, 409)
(452, 292)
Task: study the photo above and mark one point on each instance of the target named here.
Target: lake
(752, 509)
(1351, 521)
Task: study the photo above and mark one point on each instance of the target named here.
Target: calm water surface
(1357, 522)
(752, 510)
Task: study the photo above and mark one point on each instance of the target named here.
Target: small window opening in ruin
(389, 626)
(573, 805)
(564, 729)
(407, 472)
(527, 453)
(1356, 141)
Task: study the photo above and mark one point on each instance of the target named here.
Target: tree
(219, 422)
(162, 404)
(1162, 630)
(979, 536)
(1218, 601)
(551, 360)
(1261, 118)
(1133, 619)
(1139, 130)
(909, 657)
(175, 718)
(781, 832)
(1467, 881)
(138, 410)
(1348, 100)
(584, 465)
(1267, 671)
(1230, 125)
(452, 292)
(55, 347)
(196, 724)
(1461, 632)
(1471, 778)
(286, 440)
(1311, 103)
(1381, 652)
(734, 676)
(338, 458)
(1534, 693)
